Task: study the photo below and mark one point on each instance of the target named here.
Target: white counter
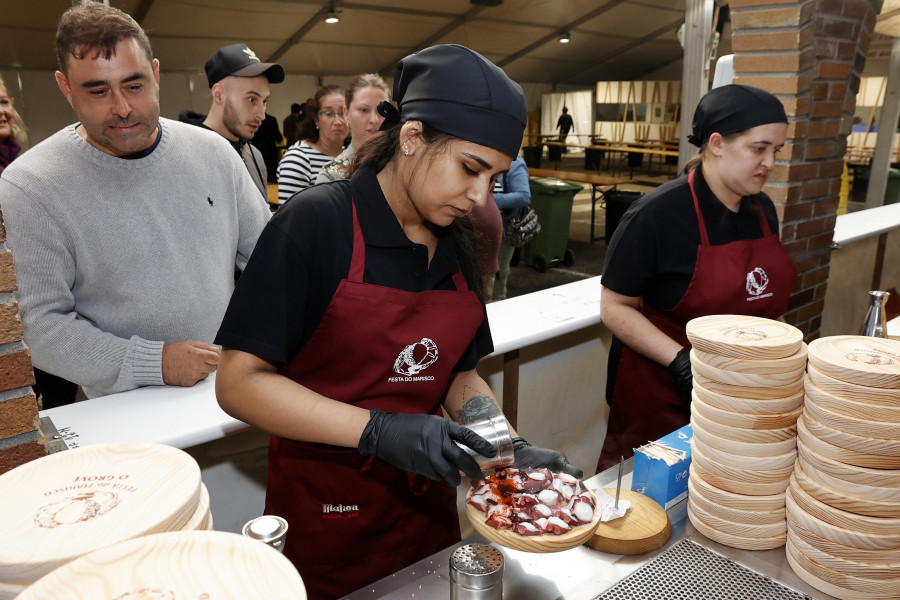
(862, 224)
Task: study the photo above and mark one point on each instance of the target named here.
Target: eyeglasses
(330, 114)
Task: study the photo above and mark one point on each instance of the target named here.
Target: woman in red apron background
(704, 244)
(360, 316)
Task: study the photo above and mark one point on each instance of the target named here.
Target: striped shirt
(298, 169)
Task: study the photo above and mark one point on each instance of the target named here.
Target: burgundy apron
(353, 520)
(745, 277)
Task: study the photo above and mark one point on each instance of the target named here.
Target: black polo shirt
(654, 248)
(303, 254)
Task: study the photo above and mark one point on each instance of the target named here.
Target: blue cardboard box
(664, 480)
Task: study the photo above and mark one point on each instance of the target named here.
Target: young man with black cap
(703, 244)
(239, 83)
(376, 324)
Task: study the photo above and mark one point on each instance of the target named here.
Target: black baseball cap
(240, 61)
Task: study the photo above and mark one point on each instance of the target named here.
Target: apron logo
(757, 282)
(340, 511)
(414, 359)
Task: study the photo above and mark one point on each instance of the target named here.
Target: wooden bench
(595, 181)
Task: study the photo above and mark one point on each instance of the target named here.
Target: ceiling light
(564, 38)
(332, 15)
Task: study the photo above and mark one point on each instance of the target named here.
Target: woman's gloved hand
(528, 456)
(423, 444)
(680, 368)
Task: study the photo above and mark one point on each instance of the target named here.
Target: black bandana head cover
(732, 108)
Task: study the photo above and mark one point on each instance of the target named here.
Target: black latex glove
(534, 457)
(680, 368)
(423, 444)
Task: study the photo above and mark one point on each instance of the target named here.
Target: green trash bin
(552, 200)
(892, 188)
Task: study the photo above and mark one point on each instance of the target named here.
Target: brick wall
(810, 53)
(20, 436)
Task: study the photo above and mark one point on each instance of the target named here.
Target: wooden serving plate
(537, 543)
(739, 336)
(61, 506)
(8, 591)
(741, 481)
(841, 422)
(745, 378)
(744, 391)
(842, 518)
(740, 434)
(742, 448)
(201, 516)
(844, 566)
(868, 492)
(754, 366)
(840, 535)
(855, 407)
(745, 461)
(758, 530)
(186, 564)
(734, 541)
(850, 457)
(734, 515)
(886, 478)
(836, 584)
(744, 420)
(862, 360)
(859, 443)
(876, 558)
(769, 504)
(843, 500)
(843, 389)
(644, 528)
(759, 406)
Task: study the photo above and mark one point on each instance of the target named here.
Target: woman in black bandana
(706, 243)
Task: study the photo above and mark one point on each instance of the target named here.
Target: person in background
(239, 84)
(125, 227)
(360, 316)
(322, 139)
(488, 225)
(564, 124)
(12, 128)
(685, 250)
(514, 194)
(363, 96)
(267, 139)
(291, 125)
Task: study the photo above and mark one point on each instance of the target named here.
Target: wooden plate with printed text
(743, 391)
(546, 542)
(741, 434)
(185, 564)
(725, 511)
(744, 420)
(772, 503)
(761, 406)
(744, 448)
(842, 518)
(731, 540)
(746, 379)
(844, 455)
(886, 478)
(859, 443)
(61, 506)
(742, 481)
(862, 360)
(779, 366)
(837, 584)
(843, 500)
(839, 535)
(843, 389)
(858, 408)
(739, 336)
(644, 528)
(845, 423)
(745, 461)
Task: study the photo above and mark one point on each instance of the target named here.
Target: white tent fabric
(581, 106)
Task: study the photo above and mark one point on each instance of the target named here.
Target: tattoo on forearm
(476, 408)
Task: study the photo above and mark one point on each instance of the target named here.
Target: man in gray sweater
(125, 227)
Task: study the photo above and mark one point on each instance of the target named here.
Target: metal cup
(495, 430)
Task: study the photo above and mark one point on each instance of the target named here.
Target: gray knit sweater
(116, 257)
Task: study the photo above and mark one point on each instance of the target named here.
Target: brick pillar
(810, 53)
(21, 439)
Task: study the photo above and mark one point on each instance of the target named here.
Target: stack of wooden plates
(748, 395)
(65, 505)
(843, 503)
(186, 564)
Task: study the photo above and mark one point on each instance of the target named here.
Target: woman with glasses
(364, 94)
(321, 140)
(360, 317)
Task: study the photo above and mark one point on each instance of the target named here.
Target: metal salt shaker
(476, 573)
(875, 324)
(268, 529)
